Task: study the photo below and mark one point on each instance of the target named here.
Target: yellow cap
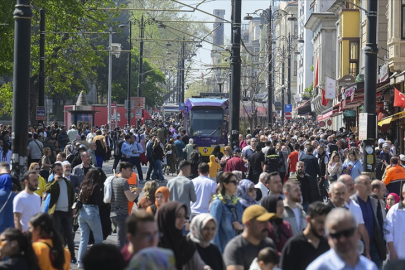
(256, 212)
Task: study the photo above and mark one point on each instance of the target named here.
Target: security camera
(226, 48)
(226, 59)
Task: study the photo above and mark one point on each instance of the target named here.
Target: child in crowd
(266, 260)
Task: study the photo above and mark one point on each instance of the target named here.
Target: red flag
(324, 100)
(399, 99)
(316, 72)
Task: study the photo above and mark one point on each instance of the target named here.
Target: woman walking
(158, 154)
(172, 156)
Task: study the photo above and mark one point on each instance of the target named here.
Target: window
(403, 19)
(354, 58)
(296, 27)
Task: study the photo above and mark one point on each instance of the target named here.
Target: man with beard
(27, 203)
(293, 211)
(243, 249)
(309, 187)
(303, 248)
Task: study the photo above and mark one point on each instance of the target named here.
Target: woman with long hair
(47, 243)
(162, 195)
(172, 156)
(149, 194)
(227, 154)
(202, 230)
(334, 167)
(171, 218)
(157, 154)
(352, 164)
(217, 153)
(89, 216)
(227, 210)
(17, 246)
(194, 162)
(246, 193)
(279, 229)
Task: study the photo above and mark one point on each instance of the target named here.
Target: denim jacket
(224, 218)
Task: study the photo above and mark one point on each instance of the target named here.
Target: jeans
(150, 169)
(374, 254)
(64, 226)
(99, 161)
(119, 223)
(158, 170)
(89, 219)
(136, 161)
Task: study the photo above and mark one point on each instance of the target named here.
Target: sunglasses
(37, 169)
(235, 182)
(346, 233)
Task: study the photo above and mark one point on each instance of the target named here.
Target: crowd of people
(290, 198)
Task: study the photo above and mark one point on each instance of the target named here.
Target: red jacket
(235, 164)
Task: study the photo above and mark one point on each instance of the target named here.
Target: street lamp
(129, 74)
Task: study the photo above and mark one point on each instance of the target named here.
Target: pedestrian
(262, 185)
(305, 247)
(74, 180)
(148, 198)
(293, 159)
(46, 240)
(227, 210)
(101, 148)
(27, 203)
(172, 156)
(272, 161)
(342, 238)
(293, 211)
(92, 152)
(243, 249)
(120, 196)
(334, 167)
(352, 165)
(91, 197)
(134, 156)
(158, 155)
(275, 185)
(392, 199)
(337, 193)
(214, 167)
(35, 150)
(194, 161)
(202, 231)
(17, 247)
(153, 258)
(6, 202)
(267, 259)
(81, 170)
(256, 164)
(41, 181)
(235, 163)
(171, 218)
(279, 229)
(188, 149)
(149, 157)
(162, 195)
(246, 193)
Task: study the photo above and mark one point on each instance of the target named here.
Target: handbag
(77, 205)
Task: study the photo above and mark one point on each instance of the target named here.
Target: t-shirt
(256, 162)
(297, 212)
(182, 190)
(62, 204)
(43, 255)
(119, 202)
(298, 253)
(355, 209)
(28, 205)
(293, 161)
(204, 189)
(35, 148)
(241, 252)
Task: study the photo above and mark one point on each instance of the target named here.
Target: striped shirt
(119, 202)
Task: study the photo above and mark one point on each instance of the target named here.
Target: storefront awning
(302, 105)
(389, 119)
(325, 115)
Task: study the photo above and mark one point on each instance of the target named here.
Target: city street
(112, 239)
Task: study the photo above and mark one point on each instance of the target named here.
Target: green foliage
(308, 91)
(312, 68)
(6, 99)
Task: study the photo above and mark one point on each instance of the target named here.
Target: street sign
(363, 126)
(287, 108)
(139, 102)
(40, 112)
(113, 105)
(287, 115)
(182, 106)
(329, 122)
(131, 114)
(138, 114)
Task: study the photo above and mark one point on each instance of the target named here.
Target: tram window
(206, 123)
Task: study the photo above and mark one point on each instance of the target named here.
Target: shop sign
(347, 79)
(322, 124)
(349, 91)
(383, 76)
(350, 113)
(330, 88)
(363, 126)
(329, 122)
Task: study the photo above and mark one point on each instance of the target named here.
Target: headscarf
(166, 193)
(197, 225)
(245, 199)
(270, 203)
(396, 198)
(172, 238)
(153, 258)
(5, 182)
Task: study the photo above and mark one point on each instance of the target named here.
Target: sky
(248, 6)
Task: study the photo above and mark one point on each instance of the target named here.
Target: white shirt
(394, 230)
(204, 189)
(355, 209)
(28, 205)
(263, 189)
(331, 261)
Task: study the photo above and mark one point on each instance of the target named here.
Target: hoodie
(214, 167)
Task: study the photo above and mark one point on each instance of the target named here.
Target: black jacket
(311, 165)
(310, 185)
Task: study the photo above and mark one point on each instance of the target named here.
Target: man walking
(135, 151)
(149, 156)
(293, 211)
(72, 133)
(263, 183)
(35, 150)
(205, 188)
(81, 170)
(311, 163)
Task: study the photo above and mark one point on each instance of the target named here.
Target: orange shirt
(132, 183)
(294, 159)
(42, 251)
(394, 173)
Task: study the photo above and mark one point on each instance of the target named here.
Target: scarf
(197, 225)
(153, 259)
(396, 198)
(228, 201)
(172, 238)
(166, 193)
(270, 203)
(244, 197)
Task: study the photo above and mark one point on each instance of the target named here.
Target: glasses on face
(234, 182)
(346, 233)
(37, 169)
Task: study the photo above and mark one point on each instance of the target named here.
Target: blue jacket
(126, 149)
(6, 215)
(224, 218)
(180, 145)
(149, 150)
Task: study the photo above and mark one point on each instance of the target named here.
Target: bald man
(337, 193)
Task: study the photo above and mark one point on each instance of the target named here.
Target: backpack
(118, 146)
(108, 189)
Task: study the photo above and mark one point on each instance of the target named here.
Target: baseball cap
(236, 150)
(256, 212)
(402, 157)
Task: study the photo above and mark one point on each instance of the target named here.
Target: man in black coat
(311, 163)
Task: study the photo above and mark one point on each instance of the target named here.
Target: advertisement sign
(363, 126)
(330, 88)
(139, 102)
(138, 114)
(40, 112)
(297, 98)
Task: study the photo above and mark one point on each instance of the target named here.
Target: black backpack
(118, 146)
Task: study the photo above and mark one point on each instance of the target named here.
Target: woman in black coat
(158, 154)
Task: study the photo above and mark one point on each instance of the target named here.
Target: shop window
(354, 58)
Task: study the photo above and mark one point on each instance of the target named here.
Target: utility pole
(235, 79)
(129, 78)
(370, 87)
(141, 36)
(41, 81)
(183, 49)
(109, 78)
(289, 71)
(21, 86)
(282, 88)
(269, 72)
